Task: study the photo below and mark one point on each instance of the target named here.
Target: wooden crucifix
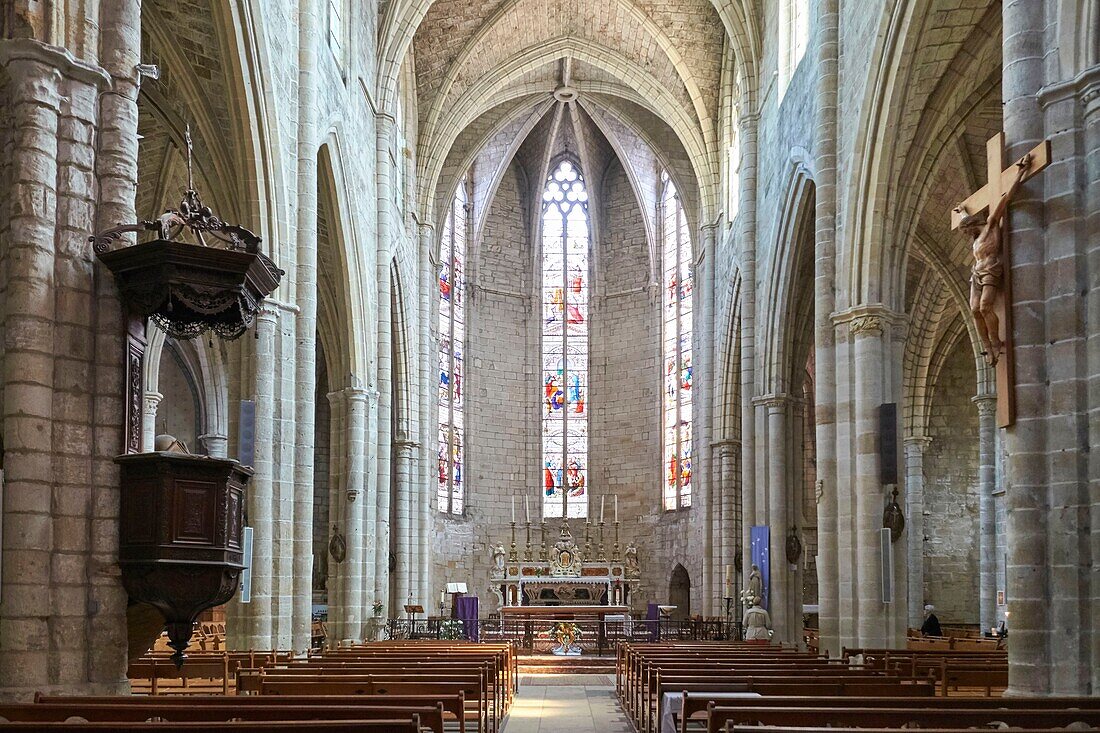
(981, 217)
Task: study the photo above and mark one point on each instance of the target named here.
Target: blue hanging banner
(759, 539)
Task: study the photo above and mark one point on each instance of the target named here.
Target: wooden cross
(999, 180)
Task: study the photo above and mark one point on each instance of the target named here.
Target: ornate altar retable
(565, 575)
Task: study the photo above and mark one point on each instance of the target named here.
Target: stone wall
(951, 493)
(625, 437)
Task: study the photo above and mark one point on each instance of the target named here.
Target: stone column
(868, 327)
(62, 618)
(915, 446)
(260, 497)
(747, 212)
(404, 456)
(424, 487)
(781, 592)
(727, 525)
(387, 230)
(701, 434)
(987, 519)
(1032, 586)
(1050, 86)
(305, 352)
(825, 409)
(149, 405)
(348, 513)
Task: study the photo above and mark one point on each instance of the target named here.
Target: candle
(601, 509)
(616, 508)
(442, 596)
(513, 510)
(729, 574)
(526, 510)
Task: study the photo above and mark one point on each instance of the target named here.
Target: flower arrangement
(567, 634)
(451, 630)
(377, 607)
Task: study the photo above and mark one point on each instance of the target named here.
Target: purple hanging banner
(759, 539)
(466, 609)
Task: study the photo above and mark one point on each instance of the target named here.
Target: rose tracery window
(564, 393)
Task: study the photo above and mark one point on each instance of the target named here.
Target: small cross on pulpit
(981, 217)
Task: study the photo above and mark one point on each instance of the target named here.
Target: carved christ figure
(987, 275)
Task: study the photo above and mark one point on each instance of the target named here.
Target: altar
(566, 577)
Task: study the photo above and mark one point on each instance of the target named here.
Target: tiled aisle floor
(560, 707)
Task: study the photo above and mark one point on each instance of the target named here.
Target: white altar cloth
(673, 702)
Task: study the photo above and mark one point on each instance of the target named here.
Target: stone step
(551, 664)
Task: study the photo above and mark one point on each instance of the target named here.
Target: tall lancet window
(565, 243)
(676, 347)
(452, 341)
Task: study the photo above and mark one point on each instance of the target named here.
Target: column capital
(774, 402)
(987, 404)
(918, 443)
(726, 448)
(869, 319)
(55, 58)
(356, 394)
(268, 312)
(406, 446)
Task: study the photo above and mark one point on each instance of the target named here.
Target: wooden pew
(327, 686)
(452, 705)
(925, 717)
(397, 725)
(698, 703)
(430, 717)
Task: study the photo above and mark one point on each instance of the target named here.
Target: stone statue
(631, 561)
(754, 594)
(498, 559)
(987, 275)
(757, 623)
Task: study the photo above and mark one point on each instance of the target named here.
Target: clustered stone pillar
(1052, 233)
(63, 612)
(868, 344)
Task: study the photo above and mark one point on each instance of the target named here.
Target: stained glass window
(564, 396)
(452, 341)
(676, 349)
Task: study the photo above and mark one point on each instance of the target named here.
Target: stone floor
(576, 703)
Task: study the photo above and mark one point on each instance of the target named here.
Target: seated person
(931, 625)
